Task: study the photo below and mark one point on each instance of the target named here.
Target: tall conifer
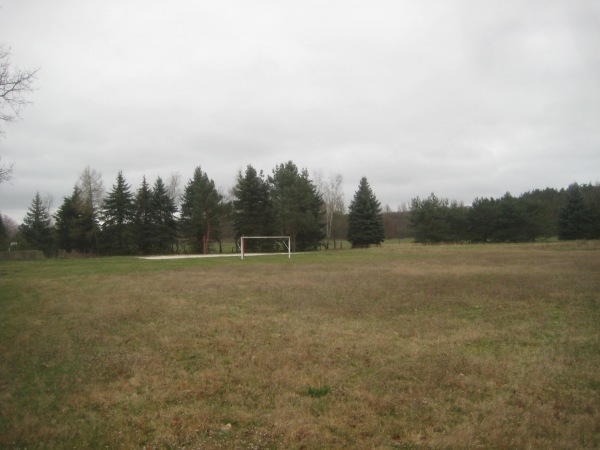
(118, 214)
(142, 221)
(200, 210)
(163, 218)
(365, 221)
(252, 208)
(37, 227)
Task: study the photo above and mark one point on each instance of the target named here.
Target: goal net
(281, 245)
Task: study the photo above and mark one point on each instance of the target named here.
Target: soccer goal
(283, 239)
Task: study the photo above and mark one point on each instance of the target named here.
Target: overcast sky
(462, 98)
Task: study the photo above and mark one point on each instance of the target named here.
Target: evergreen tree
(200, 211)
(298, 206)
(575, 220)
(482, 216)
(143, 225)
(537, 222)
(429, 219)
(542, 207)
(511, 223)
(68, 228)
(86, 237)
(37, 227)
(365, 220)
(75, 224)
(312, 233)
(457, 216)
(591, 195)
(163, 218)
(118, 214)
(3, 235)
(253, 209)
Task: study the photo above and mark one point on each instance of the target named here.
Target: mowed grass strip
(401, 346)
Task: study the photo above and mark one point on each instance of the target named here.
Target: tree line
(572, 213)
(156, 219)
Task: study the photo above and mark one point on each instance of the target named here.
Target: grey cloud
(460, 98)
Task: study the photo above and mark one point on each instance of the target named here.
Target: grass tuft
(316, 392)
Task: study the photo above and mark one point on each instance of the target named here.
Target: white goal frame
(284, 238)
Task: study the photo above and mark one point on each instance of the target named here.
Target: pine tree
(3, 235)
(457, 216)
(118, 214)
(143, 226)
(37, 227)
(365, 221)
(575, 219)
(75, 224)
(201, 209)
(312, 232)
(298, 206)
(252, 209)
(510, 223)
(163, 218)
(482, 216)
(429, 219)
(67, 226)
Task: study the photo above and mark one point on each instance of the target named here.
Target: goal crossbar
(284, 238)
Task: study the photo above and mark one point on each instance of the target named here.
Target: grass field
(401, 346)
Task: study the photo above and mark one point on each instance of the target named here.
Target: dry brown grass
(395, 347)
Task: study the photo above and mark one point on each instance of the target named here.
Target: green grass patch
(316, 391)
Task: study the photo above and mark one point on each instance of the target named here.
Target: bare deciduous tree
(6, 172)
(174, 188)
(333, 198)
(15, 84)
(11, 226)
(92, 188)
(92, 191)
(48, 201)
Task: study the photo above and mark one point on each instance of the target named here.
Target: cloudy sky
(462, 98)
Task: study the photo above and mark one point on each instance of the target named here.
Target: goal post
(285, 239)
